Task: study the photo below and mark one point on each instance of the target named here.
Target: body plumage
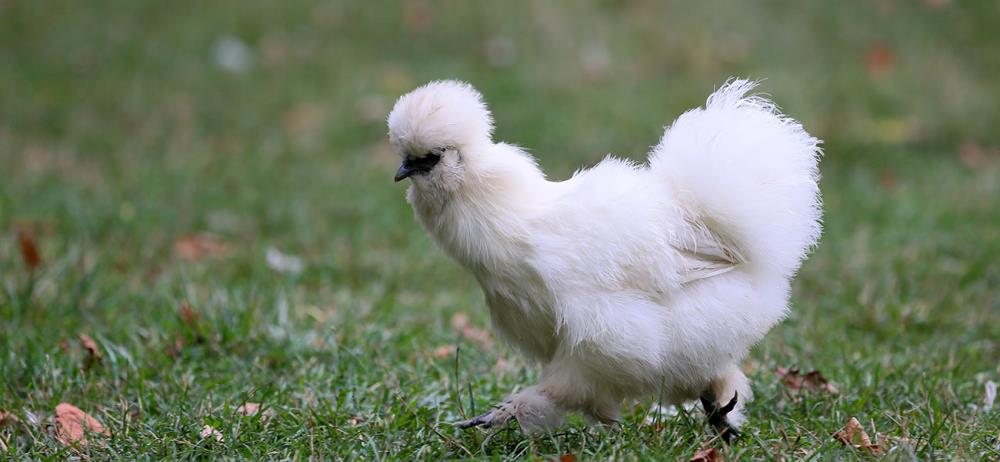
(625, 280)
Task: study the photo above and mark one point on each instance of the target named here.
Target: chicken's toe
(494, 417)
(717, 416)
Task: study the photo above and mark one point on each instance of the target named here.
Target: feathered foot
(717, 415)
(499, 415)
(532, 408)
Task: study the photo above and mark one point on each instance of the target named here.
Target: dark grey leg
(717, 415)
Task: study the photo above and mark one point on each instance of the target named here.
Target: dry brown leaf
(564, 458)
(208, 432)
(7, 418)
(460, 322)
(814, 380)
(417, 16)
(444, 351)
(93, 352)
(975, 156)
(854, 435)
(188, 315)
(879, 59)
(248, 409)
(174, 349)
(194, 247)
(706, 455)
(305, 121)
(888, 179)
(29, 249)
(72, 425)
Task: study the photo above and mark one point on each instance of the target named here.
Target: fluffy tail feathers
(749, 173)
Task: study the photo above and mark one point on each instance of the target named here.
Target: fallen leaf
(7, 418)
(888, 180)
(191, 319)
(208, 432)
(188, 315)
(502, 367)
(854, 435)
(305, 121)
(248, 409)
(567, 458)
(975, 157)
(251, 409)
(29, 249)
(460, 322)
(175, 348)
(706, 455)
(444, 351)
(879, 59)
(595, 59)
(417, 16)
(72, 425)
(814, 380)
(194, 247)
(93, 352)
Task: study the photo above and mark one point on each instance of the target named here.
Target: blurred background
(231, 157)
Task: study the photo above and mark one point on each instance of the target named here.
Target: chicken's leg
(532, 408)
(717, 415)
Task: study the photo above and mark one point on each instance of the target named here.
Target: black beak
(404, 172)
(414, 165)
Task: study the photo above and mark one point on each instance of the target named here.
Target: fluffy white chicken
(625, 280)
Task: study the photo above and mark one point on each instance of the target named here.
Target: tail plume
(750, 172)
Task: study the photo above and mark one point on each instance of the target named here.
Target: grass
(120, 137)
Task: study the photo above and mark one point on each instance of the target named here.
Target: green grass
(119, 135)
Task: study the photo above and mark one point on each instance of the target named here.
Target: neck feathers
(483, 223)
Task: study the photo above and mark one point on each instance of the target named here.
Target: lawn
(208, 188)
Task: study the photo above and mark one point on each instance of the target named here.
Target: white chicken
(625, 280)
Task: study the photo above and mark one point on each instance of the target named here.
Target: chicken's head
(431, 128)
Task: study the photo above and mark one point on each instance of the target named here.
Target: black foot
(717, 416)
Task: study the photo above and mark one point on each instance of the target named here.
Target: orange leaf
(814, 380)
(208, 432)
(93, 353)
(854, 435)
(194, 247)
(175, 348)
(72, 425)
(189, 315)
(7, 418)
(444, 351)
(460, 322)
(29, 250)
(879, 59)
(706, 455)
(248, 409)
(417, 16)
